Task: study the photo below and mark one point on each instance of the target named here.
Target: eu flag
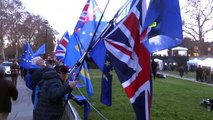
(163, 25)
(106, 83)
(102, 60)
(40, 51)
(87, 24)
(72, 56)
(27, 57)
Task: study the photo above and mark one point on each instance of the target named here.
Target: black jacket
(50, 104)
(7, 91)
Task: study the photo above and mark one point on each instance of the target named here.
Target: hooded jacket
(50, 104)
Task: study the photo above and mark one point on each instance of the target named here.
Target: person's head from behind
(50, 63)
(40, 62)
(62, 70)
(2, 71)
(14, 61)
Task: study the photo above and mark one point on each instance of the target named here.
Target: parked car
(7, 64)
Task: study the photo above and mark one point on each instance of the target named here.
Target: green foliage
(173, 99)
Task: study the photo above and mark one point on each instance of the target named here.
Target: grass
(173, 99)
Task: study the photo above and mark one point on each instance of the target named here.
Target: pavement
(22, 108)
(185, 78)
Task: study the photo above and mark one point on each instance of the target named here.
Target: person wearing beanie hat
(7, 91)
(50, 105)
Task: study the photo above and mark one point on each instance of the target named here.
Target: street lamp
(16, 56)
(46, 23)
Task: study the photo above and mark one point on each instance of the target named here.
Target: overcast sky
(63, 14)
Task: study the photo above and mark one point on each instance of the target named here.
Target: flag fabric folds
(100, 56)
(166, 32)
(87, 24)
(62, 47)
(81, 100)
(72, 56)
(102, 60)
(131, 60)
(27, 57)
(106, 83)
(40, 51)
(81, 39)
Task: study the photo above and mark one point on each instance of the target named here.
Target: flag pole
(91, 44)
(79, 63)
(81, 60)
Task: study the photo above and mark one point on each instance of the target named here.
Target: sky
(64, 14)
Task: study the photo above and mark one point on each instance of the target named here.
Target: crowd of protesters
(51, 76)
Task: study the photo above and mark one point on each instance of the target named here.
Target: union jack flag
(131, 60)
(87, 23)
(83, 17)
(62, 47)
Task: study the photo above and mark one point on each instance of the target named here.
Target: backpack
(28, 81)
(32, 77)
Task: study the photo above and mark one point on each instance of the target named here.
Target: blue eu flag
(26, 57)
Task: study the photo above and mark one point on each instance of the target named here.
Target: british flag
(83, 17)
(62, 47)
(87, 24)
(131, 60)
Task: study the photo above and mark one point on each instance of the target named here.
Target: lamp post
(46, 46)
(16, 56)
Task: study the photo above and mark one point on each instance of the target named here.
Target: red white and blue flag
(87, 24)
(131, 60)
(62, 47)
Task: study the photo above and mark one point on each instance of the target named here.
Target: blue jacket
(50, 104)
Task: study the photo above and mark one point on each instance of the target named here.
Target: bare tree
(3, 25)
(197, 20)
(18, 26)
(14, 28)
(10, 17)
(36, 31)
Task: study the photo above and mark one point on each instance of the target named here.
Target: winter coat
(14, 69)
(37, 77)
(7, 91)
(50, 103)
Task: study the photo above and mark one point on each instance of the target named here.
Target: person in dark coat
(14, 68)
(199, 74)
(37, 73)
(51, 99)
(154, 68)
(7, 91)
(181, 71)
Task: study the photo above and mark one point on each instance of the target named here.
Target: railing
(70, 113)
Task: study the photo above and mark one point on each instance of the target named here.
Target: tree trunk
(2, 55)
